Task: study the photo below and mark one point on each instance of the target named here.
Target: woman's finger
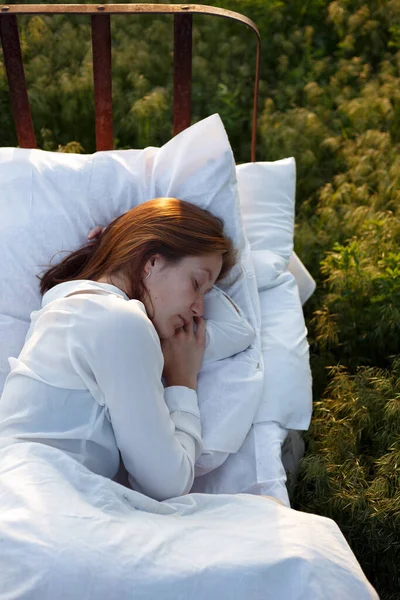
(188, 327)
(200, 327)
(95, 231)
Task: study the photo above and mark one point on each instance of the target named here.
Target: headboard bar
(182, 71)
(16, 81)
(101, 43)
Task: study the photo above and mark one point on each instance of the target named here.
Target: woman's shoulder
(107, 316)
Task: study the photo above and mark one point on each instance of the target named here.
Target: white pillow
(49, 202)
(267, 193)
(287, 392)
(305, 282)
(267, 200)
(227, 330)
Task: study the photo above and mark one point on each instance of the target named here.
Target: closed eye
(195, 284)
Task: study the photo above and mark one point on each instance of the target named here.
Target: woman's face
(177, 291)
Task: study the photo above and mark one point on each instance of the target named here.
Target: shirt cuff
(182, 398)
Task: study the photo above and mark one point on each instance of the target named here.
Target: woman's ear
(158, 261)
(150, 263)
(147, 267)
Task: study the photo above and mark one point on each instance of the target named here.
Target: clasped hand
(183, 354)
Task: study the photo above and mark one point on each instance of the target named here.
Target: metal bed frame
(100, 15)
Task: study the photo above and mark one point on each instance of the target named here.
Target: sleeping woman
(116, 316)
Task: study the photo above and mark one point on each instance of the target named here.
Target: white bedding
(67, 533)
(256, 468)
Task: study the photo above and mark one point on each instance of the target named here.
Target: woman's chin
(166, 329)
(166, 332)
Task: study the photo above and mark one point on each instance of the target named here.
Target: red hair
(167, 226)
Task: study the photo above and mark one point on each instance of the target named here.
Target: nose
(198, 307)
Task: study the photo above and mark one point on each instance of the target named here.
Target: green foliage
(330, 97)
(299, 132)
(352, 470)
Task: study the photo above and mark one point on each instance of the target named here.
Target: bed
(235, 534)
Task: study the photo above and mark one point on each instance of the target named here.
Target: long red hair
(167, 226)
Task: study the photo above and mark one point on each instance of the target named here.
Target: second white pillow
(227, 330)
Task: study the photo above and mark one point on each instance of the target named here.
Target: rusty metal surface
(16, 81)
(124, 9)
(182, 72)
(176, 9)
(101, 45)
(255, 100)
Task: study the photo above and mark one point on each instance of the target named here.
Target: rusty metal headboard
(101, 44)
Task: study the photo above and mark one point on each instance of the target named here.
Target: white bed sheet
(68, 533)
(256, 468)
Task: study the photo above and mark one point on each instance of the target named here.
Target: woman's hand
(93, 233)
(183, 354)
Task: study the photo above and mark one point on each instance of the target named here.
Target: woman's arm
(157, 431)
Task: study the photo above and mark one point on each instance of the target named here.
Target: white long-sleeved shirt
(88, 381)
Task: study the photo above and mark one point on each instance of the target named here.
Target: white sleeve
(157, 431)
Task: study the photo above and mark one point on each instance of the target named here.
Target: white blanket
(67, 533)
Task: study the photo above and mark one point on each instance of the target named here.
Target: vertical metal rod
(182, 71)
(16, 81)
(255, 103)
(101, 45)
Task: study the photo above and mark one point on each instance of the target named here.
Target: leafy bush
(351, 472)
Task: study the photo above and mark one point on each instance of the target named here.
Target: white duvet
(67, 533)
